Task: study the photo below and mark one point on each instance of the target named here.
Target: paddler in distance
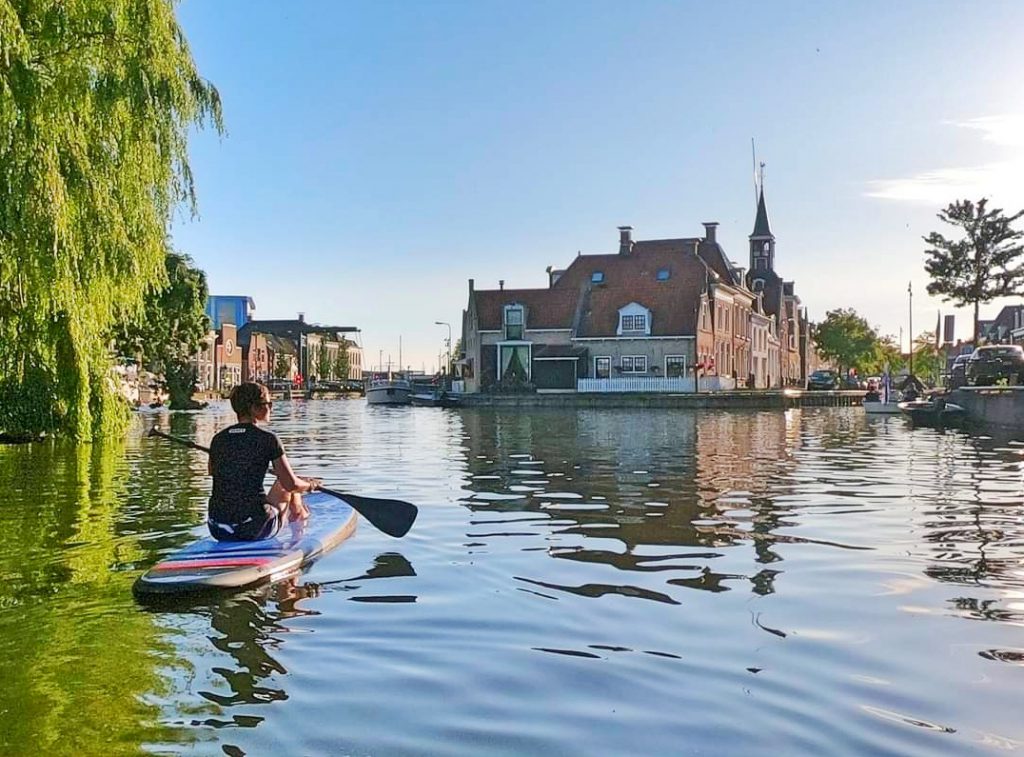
(240, 509)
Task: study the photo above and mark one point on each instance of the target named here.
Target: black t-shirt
(239, 456)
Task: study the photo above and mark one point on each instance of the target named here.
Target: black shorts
(261, 521)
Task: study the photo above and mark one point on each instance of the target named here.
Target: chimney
(709, 230)
(625, 240)
(302, 317)
(501, 284)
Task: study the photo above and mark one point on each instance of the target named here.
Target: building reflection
(664, 492)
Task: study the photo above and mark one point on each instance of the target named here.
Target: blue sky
(380, 154)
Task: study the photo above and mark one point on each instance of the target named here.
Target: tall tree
(282, 366)
(845, 338)
(97, 98)
(171, 328)
(928, 361)
(324, 364)
(341, 361)
(887, 353)
(985, 264)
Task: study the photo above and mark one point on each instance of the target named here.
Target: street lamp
(448, 344)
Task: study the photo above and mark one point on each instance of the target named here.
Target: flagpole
(910, 300)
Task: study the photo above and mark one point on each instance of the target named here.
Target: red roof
(672, 299)
(543, 308)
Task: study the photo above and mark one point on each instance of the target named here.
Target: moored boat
(435, 398)
(933, 412)
(389, 390)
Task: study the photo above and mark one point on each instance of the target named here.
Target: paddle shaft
(392, 516)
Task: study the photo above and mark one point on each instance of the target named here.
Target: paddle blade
(392, 516)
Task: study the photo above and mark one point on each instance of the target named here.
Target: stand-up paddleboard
(210, 564)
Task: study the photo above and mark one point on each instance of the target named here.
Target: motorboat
(389, 390)
(935, 412)
(435, 397)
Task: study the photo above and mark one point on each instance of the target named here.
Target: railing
(654, 384)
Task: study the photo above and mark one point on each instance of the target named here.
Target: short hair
(246, 396)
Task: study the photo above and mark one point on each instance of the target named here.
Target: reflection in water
(75, 659)
(642, 488)
(799, 582)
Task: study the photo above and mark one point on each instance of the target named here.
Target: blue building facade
(234, 309)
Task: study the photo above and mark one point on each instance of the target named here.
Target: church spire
(761, 227)
(762, 242)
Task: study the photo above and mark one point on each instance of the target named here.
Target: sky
(378, 155)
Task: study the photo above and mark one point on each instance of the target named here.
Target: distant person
(240, 509)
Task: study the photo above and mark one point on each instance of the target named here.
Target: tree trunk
(975, 341)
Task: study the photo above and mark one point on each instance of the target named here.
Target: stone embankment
(745, 399)
(992, 405)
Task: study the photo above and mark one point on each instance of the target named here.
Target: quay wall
(993, 405)
(741, 399)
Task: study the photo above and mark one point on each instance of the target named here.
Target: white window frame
(633, 361)
(675, 357)
(603, 357)
(505, 323)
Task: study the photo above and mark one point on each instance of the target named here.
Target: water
(578, 583)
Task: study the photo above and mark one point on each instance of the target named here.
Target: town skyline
(377, 158)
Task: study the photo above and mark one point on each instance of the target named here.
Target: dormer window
(632, 323)
(513, 322)
(634, 320)
(597, 277)
(663, 274)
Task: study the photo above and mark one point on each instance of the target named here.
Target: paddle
(392, 516)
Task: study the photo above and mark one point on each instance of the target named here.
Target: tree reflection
(76, 661)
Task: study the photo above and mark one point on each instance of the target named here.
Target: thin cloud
(1000, 180)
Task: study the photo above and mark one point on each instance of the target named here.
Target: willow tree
(96, 101)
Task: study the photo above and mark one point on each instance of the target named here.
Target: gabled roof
(543, 308)
(673, 309)
(761, 227)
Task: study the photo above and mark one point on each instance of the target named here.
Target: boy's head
(246, 397)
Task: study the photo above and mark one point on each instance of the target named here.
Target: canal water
(579, 582)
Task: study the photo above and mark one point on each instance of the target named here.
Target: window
(602, 367)
(634, 323)
(597, 277)
(514, 322)
(663, 274)
(634, 364)
(675, 366)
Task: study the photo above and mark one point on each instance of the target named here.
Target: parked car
(823, 380)
(992, 362)
(278, 385)
(958, 371)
